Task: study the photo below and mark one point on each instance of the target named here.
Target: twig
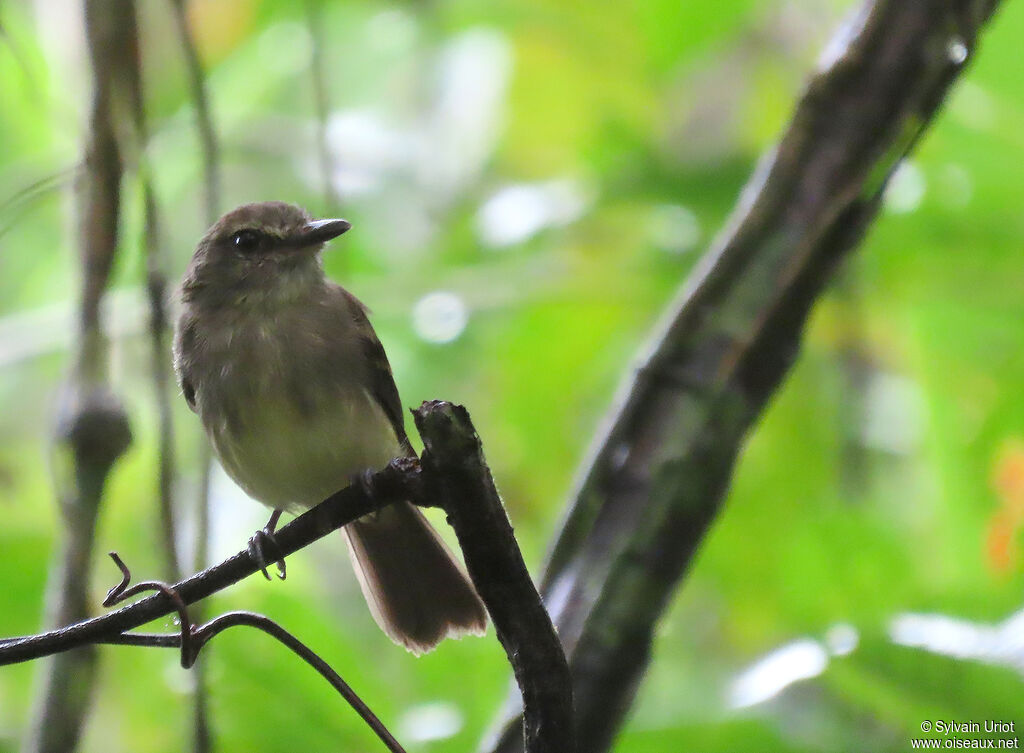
(458, 479)
(659, 471)
(200, 553)
(202, 734)
(156, 290)
(211, 206)
(314, 20)
(454, 476)
(204, 119)
(191, 641)
(400, 480)
(14, 207)
(322, 105)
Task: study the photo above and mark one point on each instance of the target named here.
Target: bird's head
(259, 254)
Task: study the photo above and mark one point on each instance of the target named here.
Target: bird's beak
(320, 231)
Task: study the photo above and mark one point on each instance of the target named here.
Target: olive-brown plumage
(296, 395)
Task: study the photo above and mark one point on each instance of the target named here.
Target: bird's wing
(183, 350)
(381, 381)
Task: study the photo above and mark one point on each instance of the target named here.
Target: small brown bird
(296, 394)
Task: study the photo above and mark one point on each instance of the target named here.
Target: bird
(297, 397)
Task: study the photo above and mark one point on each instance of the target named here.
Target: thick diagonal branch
(458, 479)
(660, 469)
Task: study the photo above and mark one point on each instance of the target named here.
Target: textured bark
(457, 478)
(659, 470)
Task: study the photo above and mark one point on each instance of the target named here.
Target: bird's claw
(259, 541)
(364, 480)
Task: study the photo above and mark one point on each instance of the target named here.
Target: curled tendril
(192, 639)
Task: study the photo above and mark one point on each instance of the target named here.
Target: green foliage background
(886, 478)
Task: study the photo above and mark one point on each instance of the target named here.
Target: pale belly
(291, 461)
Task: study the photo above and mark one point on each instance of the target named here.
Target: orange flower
(1002, 542)
(1008, 476)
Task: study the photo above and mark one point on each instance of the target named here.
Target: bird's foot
(364, 480)
(259, 542)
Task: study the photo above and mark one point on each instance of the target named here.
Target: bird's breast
(289, 415)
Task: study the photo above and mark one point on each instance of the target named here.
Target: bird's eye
(246, 240)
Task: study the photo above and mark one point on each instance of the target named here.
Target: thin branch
(22, 201)
(191, 641)
(659, 471)
(203, 634)
(398, 481)
(322, 108)
(202, 734)
(321, 103)
(204, 119)
(202, 741)
(156, 290)
(201, 552)
(458, 479)
(233, 619)
(455, 476)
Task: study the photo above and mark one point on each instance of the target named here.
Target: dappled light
(754, 411)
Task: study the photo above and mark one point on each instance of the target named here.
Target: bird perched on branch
(296, 395)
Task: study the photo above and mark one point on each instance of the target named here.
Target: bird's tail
(415, 589)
